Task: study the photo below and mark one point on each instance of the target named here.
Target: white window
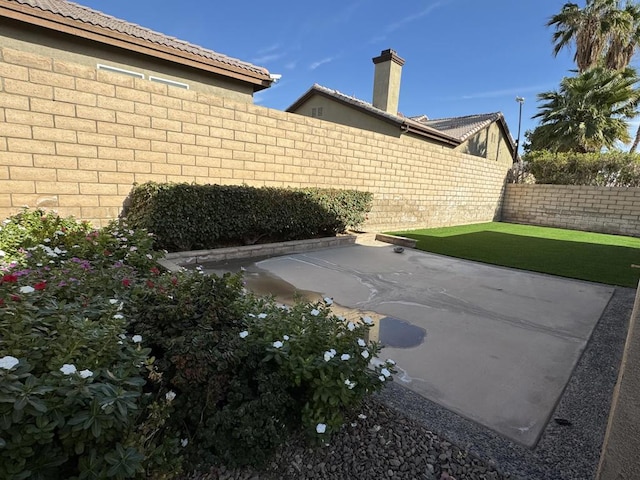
(109, 68)
(169, 82)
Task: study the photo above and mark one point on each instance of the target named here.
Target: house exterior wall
(336, 112)
(613, 210)
(488, 143)
(66, 48)
(75, 139)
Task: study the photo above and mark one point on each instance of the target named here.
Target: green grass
(588, 256)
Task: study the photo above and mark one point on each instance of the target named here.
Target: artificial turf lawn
(589, 256)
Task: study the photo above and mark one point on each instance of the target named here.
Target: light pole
(520, 100)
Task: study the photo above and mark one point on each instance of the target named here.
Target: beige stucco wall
(489, 143)
(613, 210)
(337, 112)
(76, 139)
(88, 53)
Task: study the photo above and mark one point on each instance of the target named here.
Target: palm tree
(584, 28)
(603, 33)
(589, 112)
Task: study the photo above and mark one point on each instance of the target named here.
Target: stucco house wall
(336, 112)
(87, 53)
(490, 143)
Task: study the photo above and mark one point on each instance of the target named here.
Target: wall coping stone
(196, 257)
(396, 240)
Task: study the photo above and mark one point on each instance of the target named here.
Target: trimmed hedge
(613, 169)
(190, 217)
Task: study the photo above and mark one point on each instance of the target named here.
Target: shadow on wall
(477, 146)
(609, 264)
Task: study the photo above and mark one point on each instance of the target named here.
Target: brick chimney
(386, 81)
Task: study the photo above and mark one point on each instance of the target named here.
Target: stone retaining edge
(396, 240)
(619, 458)
(197, 257)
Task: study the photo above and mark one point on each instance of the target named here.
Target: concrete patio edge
(197, 257)
(619, 458)
(396, 240)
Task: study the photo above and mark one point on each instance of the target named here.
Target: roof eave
(57, 23)
(432, 134)
(314, 91)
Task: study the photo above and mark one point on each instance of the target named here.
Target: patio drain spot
(399, 333)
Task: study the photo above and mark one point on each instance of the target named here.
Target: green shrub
(188, 217)
(72, 377)
(111, 368)
(240, 392)
(612, 169)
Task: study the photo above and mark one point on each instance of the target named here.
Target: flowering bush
(110, 367)
(250, 371)
(72, 379)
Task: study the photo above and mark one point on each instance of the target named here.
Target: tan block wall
(613, 210)
(75, 140)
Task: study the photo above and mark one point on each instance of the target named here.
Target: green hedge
(189, 217)
(613, 169)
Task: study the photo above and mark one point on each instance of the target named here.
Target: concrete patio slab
(500, 344)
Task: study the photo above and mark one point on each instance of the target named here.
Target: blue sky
(462, 56)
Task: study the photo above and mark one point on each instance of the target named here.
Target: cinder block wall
(75, 139)
(613, 210)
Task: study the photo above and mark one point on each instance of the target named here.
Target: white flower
(8, 362)
(349, 383)
(57, 250)
(362, 416)
(117, 316)
(113, 301)
(277, 344)
(362, 343)
(385, 372)
(133, 249)
(315, 312)
(184, 442)
(345, 356)
(86, 373)
(286, 337)
(252, 315)
(136, 338)
(170, 395)
(328, 300)
(365, 353)
(149, 256)
(341, 318)
(390, 362)
(351, 326)
(321, 428)
(58, 232)
(3, 253)
(27, 289)
(262, 315)
(46, 240)
(68, 368)
(244, 334)
(367, 320)
(381, 377)
(122, 336)
(328, 355)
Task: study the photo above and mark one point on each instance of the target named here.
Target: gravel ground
(384, 445)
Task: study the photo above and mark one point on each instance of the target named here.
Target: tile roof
(84, 15)
(460, 127)
(402, 122)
